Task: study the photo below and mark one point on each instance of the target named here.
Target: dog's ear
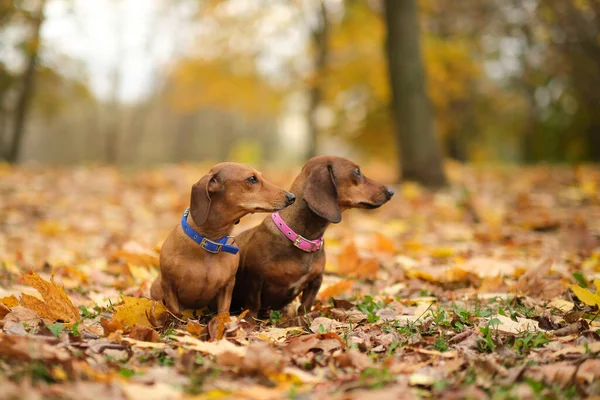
(200, 201)
(321, 194)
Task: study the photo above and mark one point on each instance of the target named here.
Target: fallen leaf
(354, 359)
(135, 310)
(111, 325)
(144, 333)
(214, 348)
(216, 326)
(591, 348)
(507, 325)
(29, 348)
(537, 282)
(194, 327)
(588, 372)
(561, 304)
(56, 305)
(325, 342)
(260, 358)
(572, 329)
(587, 297)
(322, 324)
(335, 290)
(10, 301)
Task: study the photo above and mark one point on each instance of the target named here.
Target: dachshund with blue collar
(198, 260)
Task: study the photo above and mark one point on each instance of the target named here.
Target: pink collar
(299, 241)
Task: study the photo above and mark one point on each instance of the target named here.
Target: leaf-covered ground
(476, 291)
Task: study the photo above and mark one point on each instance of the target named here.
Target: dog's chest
(298, 281)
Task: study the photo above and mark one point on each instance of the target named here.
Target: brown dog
(195, 267)
(283, 256)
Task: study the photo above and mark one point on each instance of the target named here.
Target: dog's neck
(303, 220)
(218, 224)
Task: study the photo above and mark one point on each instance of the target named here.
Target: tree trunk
(420, 153)
(320, 40)
(28, 80)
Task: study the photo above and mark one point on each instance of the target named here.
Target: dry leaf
(217, 326)
(507, 325)
(335, 290)
(538, 283)
(214, 348)
(144, 333)
(325, 342)
(260, 358)
(9, 301)
(135, 310)
(56, 305)
(194, 327)
(589, 298)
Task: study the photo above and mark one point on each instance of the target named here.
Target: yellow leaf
(589, 298)
(59, 373)
(10, 301)
(49, 228)
(56, 305)
(136, 310)
(442, 252)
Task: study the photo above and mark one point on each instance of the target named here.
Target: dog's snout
(291, 197)
(389, 192)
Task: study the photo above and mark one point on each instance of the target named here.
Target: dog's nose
(389, 192)
(291, 198)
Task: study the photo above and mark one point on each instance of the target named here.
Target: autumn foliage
(486, 289)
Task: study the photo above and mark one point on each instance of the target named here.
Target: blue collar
(208, 245)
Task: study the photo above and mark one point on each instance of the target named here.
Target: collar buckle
(205, 242)
(314, 244)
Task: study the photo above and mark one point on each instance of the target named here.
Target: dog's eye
(253, 179)
(357, 172)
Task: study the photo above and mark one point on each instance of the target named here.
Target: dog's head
(334, 184)
(237, 190)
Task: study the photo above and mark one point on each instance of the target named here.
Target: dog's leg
(309, 294)
(170, 298)
(253, 299)
(156, 289)
(224, 297)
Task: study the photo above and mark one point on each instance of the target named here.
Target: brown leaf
(144, 333)
(260, 359)
(28, 348)
(588, 372)
(343, 304)
(56, 305)
(111, 325)
(325, 342)
(354, 359)
(3, 311)
(571, 329)
(217, 326)
(558, 373)
(573, 316)
(537, 282)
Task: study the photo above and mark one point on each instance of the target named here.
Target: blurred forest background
(154, 81)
